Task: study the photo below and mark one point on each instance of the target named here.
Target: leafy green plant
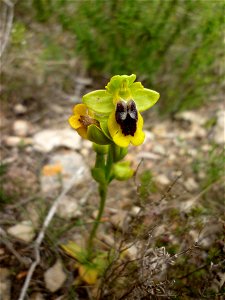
(174, 45)
(110, 119)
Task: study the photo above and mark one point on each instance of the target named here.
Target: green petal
(116, 82)
(144, 98)
(99, 101)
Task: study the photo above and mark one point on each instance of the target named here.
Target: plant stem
(102, 194)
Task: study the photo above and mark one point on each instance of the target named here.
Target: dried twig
(7, 17)
(41, 235)
(9, 246)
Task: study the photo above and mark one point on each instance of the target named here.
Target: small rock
(191, 116)
(219, 131)
(37, 296)
(159, 149)
(16, 141)
(68, 208)
(20, 109)
(162, 179)
(135, 211)
(161, 130)
(23, 231)
(5, 284)
(119, 218)
(47, 140)
(195, 131)
(61, 168)
(148, 155)
(21, 128)
(132, 251)
(159, 231)
(55, 277)
(190, 184)
(34, 214)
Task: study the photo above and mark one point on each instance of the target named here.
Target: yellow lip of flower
(81, 119)
(125, 129)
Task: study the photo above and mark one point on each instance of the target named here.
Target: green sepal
(104, 127)
(100, 149)
(96, 135)
(99, 175)
(99, 101)
(122, 170)
(118, 152)
(144, 98)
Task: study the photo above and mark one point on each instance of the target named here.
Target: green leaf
(99, 175)
(144, 98)
(75, 251)
(99, 101)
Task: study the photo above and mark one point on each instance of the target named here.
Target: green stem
(102, 194)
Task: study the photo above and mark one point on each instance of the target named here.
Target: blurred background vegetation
(174, 47)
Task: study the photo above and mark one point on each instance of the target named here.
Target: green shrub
(174, 45)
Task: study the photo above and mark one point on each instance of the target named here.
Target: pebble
(119, 218)
(23, 231)
(68, 208)
(162, 179)
(135, 210)
(54, 277)
(190, 184)
(219, 131)
(46, 140)
(16, 141)
(62, 167)
(20, 109)
(5, 284)
(21, 128)
(37, 296)
(191, 116)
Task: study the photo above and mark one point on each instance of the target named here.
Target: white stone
(191, 116)
(219, 131)
(68, 208)
(119, 219)
(55, 277)
(47, 140)
(21, 128)
(16, 141)
(135, 210)
(20, 109)
(162, 179)
(70, 162)
(23, 231)
(159, 149)
(190, 184)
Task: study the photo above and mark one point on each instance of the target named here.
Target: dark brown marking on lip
(126, 116)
